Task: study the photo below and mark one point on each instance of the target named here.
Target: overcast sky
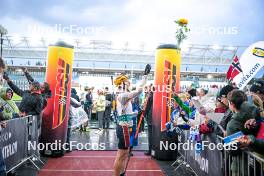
(148, 22)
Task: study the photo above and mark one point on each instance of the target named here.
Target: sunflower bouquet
(181, 30)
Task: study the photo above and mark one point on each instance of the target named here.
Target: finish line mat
(98, 163)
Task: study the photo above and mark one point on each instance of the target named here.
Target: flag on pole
(234, 69)
(229, 73)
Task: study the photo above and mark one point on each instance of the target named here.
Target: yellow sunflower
(183, 21)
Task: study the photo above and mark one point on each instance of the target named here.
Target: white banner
(251, 61)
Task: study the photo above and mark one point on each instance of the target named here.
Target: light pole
(3, 31)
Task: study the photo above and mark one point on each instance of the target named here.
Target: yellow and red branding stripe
(59, 73)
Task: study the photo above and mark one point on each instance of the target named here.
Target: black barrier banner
(13, 140)
(32, 136)
(207, 162)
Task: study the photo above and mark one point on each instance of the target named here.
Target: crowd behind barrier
(201, 116)
(216, 162)
(14, 140)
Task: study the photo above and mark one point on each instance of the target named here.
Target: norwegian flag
(229, 73)
(234, 69)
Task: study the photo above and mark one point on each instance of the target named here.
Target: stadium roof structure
(101, 56)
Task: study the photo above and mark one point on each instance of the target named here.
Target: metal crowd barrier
(249, 163)
(181, 155)
(181, 159)
(219, 161)
(14, 142)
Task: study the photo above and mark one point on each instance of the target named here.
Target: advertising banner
(251, 62)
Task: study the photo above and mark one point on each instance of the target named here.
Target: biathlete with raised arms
(124, 121)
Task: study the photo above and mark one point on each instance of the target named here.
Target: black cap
(258, 87)
(225, 90)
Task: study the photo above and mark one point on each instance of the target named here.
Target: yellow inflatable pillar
(56, 114)
(167, 80)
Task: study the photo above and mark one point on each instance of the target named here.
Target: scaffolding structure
(100, 56)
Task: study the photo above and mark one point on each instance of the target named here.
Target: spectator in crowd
(74, 103)
(88, 104)
(202, 92)
(108, 108)
(32, 100)
(251, 141)
(45, 92)
(185, 110)
(82, 95)
(2, 65)
(44, 87)
(192, 92)
(9, 107)
(74, 94)
(243, 111)
(258, 89)
(228, 114)
(100, 108)
(257, 101)
(220, 107)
